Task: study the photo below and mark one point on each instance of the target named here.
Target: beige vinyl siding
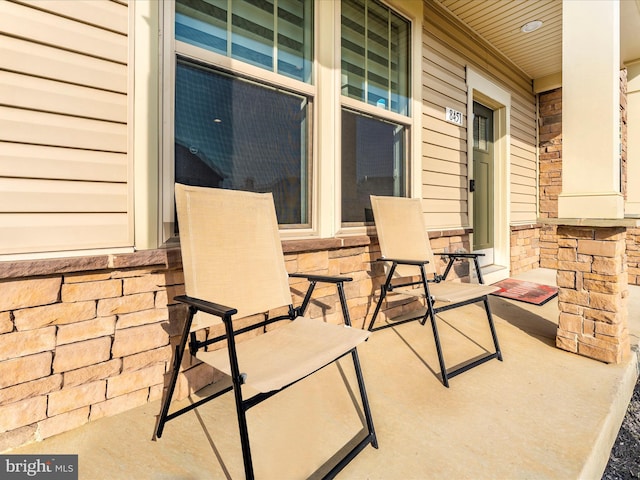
(444, 175)
(31, 21)
(36, 161)
(64, 164)
(57, 230)
(43, 61)
(447, 49)
(523, 163)
(32, 93)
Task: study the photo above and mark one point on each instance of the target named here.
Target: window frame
(325, 94)
(405, 161)
(228, 65)
(412, 12)
(306, 145)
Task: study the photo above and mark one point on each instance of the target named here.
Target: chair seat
(452, 292)
(287, 353)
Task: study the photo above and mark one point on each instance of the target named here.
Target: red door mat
(528, 292)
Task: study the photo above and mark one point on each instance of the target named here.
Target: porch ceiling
(538, 53)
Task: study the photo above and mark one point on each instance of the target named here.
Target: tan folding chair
(232, 255)
(406, 252)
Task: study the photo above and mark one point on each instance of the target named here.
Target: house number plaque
(453, 116)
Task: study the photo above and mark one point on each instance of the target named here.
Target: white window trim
(171, 49)
(327, 118)
(327, 105)
(412, 10)
(145, 18)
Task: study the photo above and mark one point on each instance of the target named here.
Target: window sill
(163, 258)
(316, 244)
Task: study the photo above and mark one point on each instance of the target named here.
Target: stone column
(592, 278)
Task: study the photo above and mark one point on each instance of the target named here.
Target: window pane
(378, 55)
(400, 39)
(252, 31)
(480, 132)
(373, 163)
(352, 50)
(295, 39)
(202, 23)
(375, 55)
(231, 133)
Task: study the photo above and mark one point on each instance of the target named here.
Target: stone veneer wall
(550, 179)
(525, 248)
(90, 337)
(593, 296)
(550, 172)
(82, 338)
(633, 255)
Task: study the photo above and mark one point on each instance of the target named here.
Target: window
(236, 134)
(372, 163)
(375, 70)
(251, 108)
(480, 132)
(233, 132)
(273, 34)
(375, 55)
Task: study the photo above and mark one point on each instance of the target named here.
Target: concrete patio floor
(542, 413)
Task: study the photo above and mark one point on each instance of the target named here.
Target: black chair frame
(238, 379)
(431, 311)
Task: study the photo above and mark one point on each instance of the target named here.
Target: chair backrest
(231, 249)
(402, 233)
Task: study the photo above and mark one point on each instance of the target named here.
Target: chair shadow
(407, 340)
(326, 467)
(525, 318)
(330, 463)
(212, 444)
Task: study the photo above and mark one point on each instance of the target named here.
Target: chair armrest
(207, 307)
(337, 281)
(460, 255)
(321, 278)
(453, 256)
(403, 261)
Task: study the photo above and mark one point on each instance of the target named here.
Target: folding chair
(232, 255)
(406, 252)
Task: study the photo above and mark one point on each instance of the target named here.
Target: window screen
(236, 134)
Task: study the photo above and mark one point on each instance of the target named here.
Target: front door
(482, 187)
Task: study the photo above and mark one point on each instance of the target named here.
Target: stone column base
(593, 290)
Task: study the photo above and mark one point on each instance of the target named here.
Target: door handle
(472, 185)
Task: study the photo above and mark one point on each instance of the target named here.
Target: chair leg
(177, 361)
(365, 400)
(244, 432)
(241, 410)
(478, 271)
(493, 328)
(370, 438)
(436, 337)
(358, 369)
(432, 316)
(383, 294)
